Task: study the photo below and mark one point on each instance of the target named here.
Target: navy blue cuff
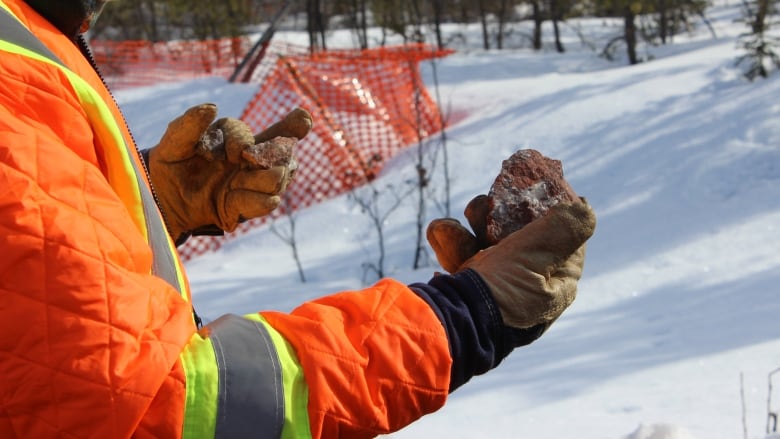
(478, 338)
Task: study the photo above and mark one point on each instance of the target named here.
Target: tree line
(652, 21)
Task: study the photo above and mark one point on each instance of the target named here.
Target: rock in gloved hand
(279, 151)
(275, 146)
(528, 185)
(528, 244)
(204, 179)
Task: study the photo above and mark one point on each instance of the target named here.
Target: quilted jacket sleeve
(375, 359)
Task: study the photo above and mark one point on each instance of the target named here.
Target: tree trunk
(483, 19)
(501, 17)
(538, 20)
(438, 15)
(759, 25)
(315, 25)
(629, 32)
(154, 35)
(364, 23)
(555, 13)
(558, 44)
(663, 21)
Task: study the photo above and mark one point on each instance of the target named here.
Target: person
(98, 336)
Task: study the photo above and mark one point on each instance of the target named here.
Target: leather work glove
(208, 180)
(453, 243)
(533, 272)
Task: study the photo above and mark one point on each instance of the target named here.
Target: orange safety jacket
(97, 336)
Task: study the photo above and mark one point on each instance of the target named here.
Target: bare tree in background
(437, 7)
(672, 16)
(165, 20)
(287, 234)
(629, 31)
(423, 179)
(378, 206)
(426, 163)
(483, 18)
(503, 13)
(538, 18)
(556, 14)
(316, 25)
(772, 415)
(392, 17)
(628, 10)
(443, 122)
(132, 21)
(357, 11)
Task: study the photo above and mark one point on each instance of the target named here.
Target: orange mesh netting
(367, 105)
(138, 63)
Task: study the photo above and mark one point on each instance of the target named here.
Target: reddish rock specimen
(527, 186)
(279, 151)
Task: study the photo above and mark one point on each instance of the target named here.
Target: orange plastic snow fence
(127, 64)
(367, 105)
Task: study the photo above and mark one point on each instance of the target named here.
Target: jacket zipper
(87, 52)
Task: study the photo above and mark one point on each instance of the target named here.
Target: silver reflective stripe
(251, 398)
(14, 32)
(163, 264)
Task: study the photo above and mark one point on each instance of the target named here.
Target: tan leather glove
(204, 176)
(532, 273)
(453, 243)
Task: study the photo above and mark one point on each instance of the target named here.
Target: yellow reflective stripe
(296, 391)
(119, 166)
(203, 376)
(118, 160)
(202, 388)
(125, 177)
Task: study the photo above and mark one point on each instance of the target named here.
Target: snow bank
(660, 431)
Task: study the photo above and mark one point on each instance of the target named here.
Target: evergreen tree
(761, 48)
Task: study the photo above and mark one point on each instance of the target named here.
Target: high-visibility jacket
(97, 336)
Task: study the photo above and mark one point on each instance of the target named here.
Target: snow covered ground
(679, 156)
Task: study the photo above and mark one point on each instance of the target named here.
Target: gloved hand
(203, 178)
(453, 243)
(531, 273)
